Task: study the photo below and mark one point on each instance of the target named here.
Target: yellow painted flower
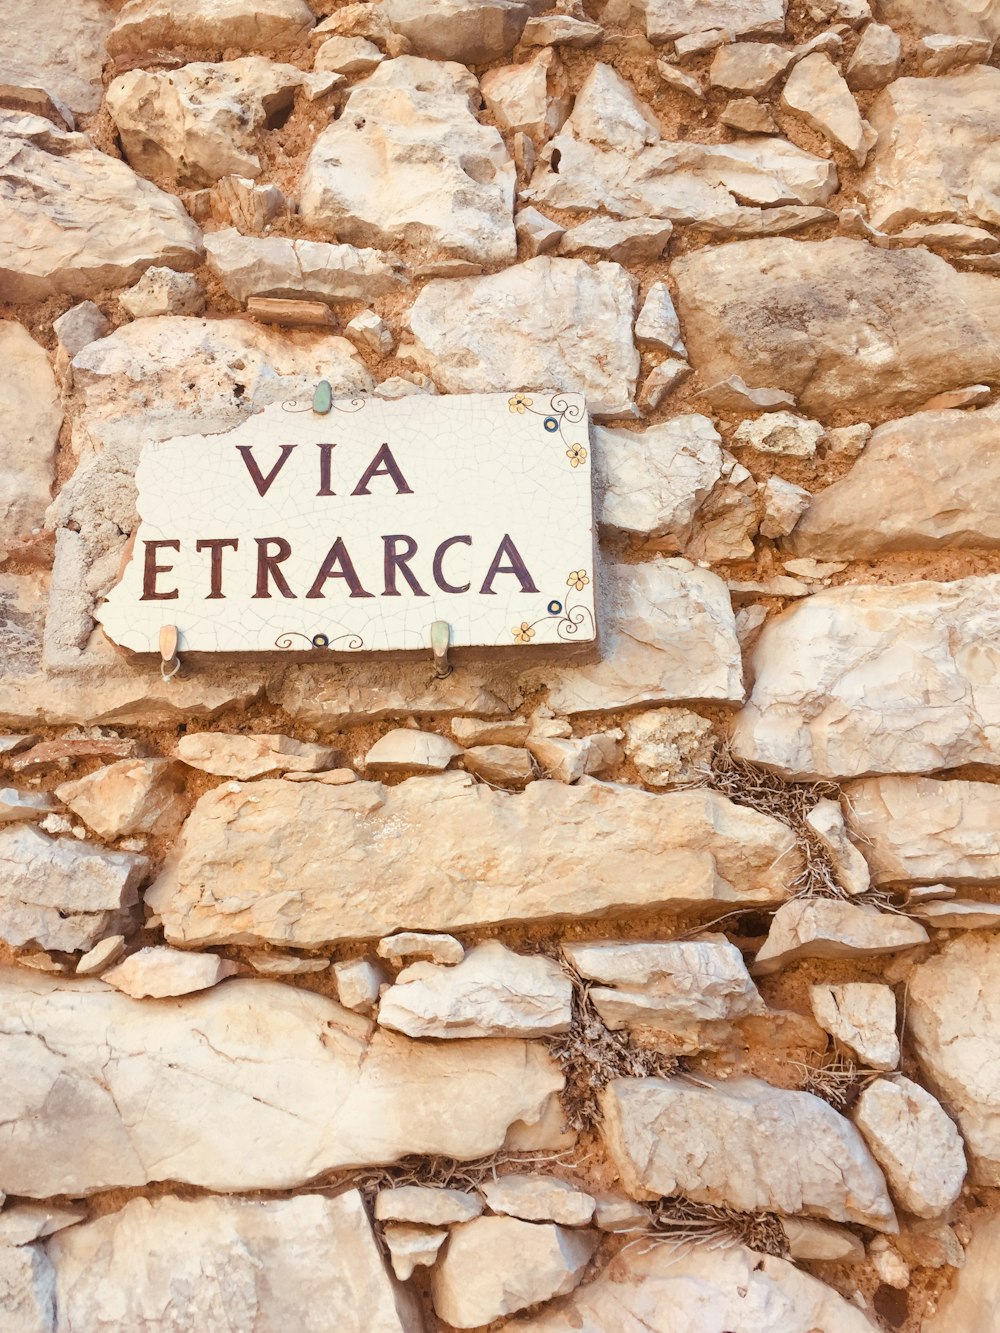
(577, 455)
(578, 579)
(523, 633)
(519, 402)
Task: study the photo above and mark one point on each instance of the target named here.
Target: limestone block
(30, 407)
(669, 745)
(251, 1085)
(953, 1018)
(668, 636)
(822, 1240)
(876, 58)
(964, 18)
(496, 1266)
(409, 750)
(208, 27)
(102, 955)
(81, 324)
(348, 55)
(161, 291)
(367, 329)
(749, 67)
(74, 221)
(556, 29)
(941, 52)
(781, 433)
(493, 992)
(606, 110)
(158, 971)
(627, 241)
(532, 97)
(406, 165)
(424, 1205)
(831, 928)
(667, 19)
(546, 323)
(937, 158)
(60, 893)
(539, 1199)
(914, 1142)
(229, 755)
(653, 482)
(461, 855)
(22, 1223)
(412, 1247)
(959, 915)
(359, 981)
(58, 48)
(280, 266)
(926, 328)
(505, 764)
(745, 1144)
(27, 1289)
(474, 32)
(863, 679)
(784, 505)
(702, 1289)
(132, 796)
(657, 325)
(861, 1016)
(25, 806)
(538, 234)
(410, 945)
(826, 820)
(816, 92)
(222, 1264)
(285, 965)
(976, 1286)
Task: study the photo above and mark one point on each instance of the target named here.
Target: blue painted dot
(550, 424)
(320, 641)
(554, 608)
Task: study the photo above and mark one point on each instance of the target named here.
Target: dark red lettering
(262, 482)
(267, 566)
(439, 556)
(216, 545)
(382, 465)
(516, 566)
(395, 560)
(150, 569)
(325, 459)
(338, 565)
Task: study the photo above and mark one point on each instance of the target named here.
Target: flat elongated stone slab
(307, 864)
(252, 1085)
(862, 680)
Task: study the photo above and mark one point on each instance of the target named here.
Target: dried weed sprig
(591, 1055)
(838, 1080)
(681, 1221)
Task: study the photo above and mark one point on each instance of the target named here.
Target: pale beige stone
(29, 404)
(538, 234)
(657, 324)
(784, 505)
(964, 18)
(923, 482)
(223, 1264)
(826, 820)
(749, 116)
(474, 34)
(679, 79)
(616, 1212)
(560, 29)
(285, 965)
(27, 1285)
(627, 241)
(667, 19)
(546, 323)
(282, 266)
(876, 58)
(412, 1247)
(158, 971)
(22, 1223)
(821, 1240)
(492, 992)
(923, 830)
(564, 760)
(403, 165)
(925, 327)
(359, 982)
(424, 1205)
(661, 381)
(60, 893)
(415, 946)
(229, 755)
(348, 55)
(975, 1289)
(668, 636)
(161, 291)
(349, 694)
(959, 915)
(132, 796)
(749, 67)
(830, 928)
(532, 97)
(698, 1288)
(539, 1199)
(669, 745)
(498, 1265)
(861, 1015)
(102, 955)
(25, 806)
(505, 764)
(250, 1085)
(914, 1142)
(246, 204)
(408, 750)
(368, 329)
(815, 91)
(478, 731)
(59, 49)
(941, 52)
(864, 679)
(781, 433)
(745, 1144)
(937, 158)
(550, 852)
(196, 27)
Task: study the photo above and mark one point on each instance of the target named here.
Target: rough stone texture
(861, 680)
(412, 1247)
(937, 158)
(837, 323)
(953, 1018)
(924, 830)
(701, 1289)
(923, 483)
(198, 27)
(669, 745)
(158, 971)
(278, 266)
(975, 1288)
(29, 405)
(505, 764)
(745, 1144)
(132, 796)
(426, 1206)
(460, 855)
(27, 1289)
(914, 1142)
(876, 58)
(406, 165)
(667, 19)
(493, 992)
(60, 49)
(473, 32)
(781, 433)
(358, 983)
(496, 1266)
(227, 755)
(411, 751)
(74, 220)
(539, 1199)
(221, 1264)
(817, 93)
(547, 323)
(59, 893)
(161, 291)
(826, 821)
(861, 1015)
(30, 806)
(409, 945)
(965, 18)
(531, 98)
(668, 635)
(251, 1085)
(830, 928)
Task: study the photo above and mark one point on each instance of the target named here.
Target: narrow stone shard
(250, 1085)
(830, 928)
(229, 755)
(461, 855)
(199, 28)
(668, 19)
(29, 404)
(473, 33)
(745, 1144)
(816, 91)
(279, 266)
(826, 819)
(25, 806)
(411, 751)
(539, 1199)
(409, 946)
(229, 1263)
(132, 796)
(915, 1143)
(158, 971)
(426, 1206)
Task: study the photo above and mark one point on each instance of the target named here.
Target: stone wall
(660, 992)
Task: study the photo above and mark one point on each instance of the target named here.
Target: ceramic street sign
(356, 530)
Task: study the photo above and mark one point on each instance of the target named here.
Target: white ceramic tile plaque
(354, 531)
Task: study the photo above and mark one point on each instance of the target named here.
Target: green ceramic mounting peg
(322, 398)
